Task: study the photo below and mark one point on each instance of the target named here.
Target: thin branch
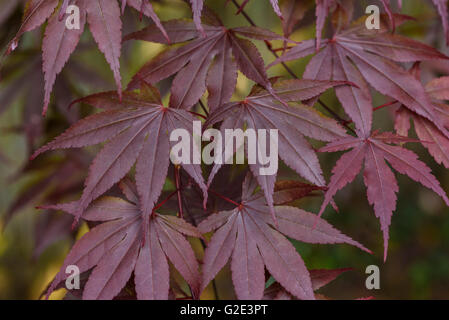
(204, 108)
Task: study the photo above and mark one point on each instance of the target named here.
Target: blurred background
(33, 243)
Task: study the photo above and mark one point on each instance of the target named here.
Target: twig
(204, 108)
(198, 114)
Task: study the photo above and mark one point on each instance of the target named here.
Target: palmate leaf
(442, 10)
(321, 12)
(319, 278)
(261, 111)
(138, 129)
(375, 152)
(368, 56)
(292, 11)
(295, 10)
(431, 138)
(246, 236)
(209, 62)
(116, 248)
(103, 17)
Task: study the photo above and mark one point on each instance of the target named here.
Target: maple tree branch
(290, 71)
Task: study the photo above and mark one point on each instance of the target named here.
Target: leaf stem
(225, 198)
(160, 204)
(385, 105)
(204, 108)
(198, 114)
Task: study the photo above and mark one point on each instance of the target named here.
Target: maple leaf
(321, 12)
(375, 151)
(246, 236)
(261, 111)
(285, 192)
(431, 138)
(209, 62)
(296, 10)
(138, 128)
(197, 7)
(49, 229)
(103, 17)
(319, 278)
(116, 247)
(442, 10)
(146, 8)
(293, 11)
(368, 56)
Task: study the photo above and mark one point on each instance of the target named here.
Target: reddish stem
(242, 6)
(198, 114)
(385, 105)
(379, 107)
(164, 201)
(282, 49)
(226, 198)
